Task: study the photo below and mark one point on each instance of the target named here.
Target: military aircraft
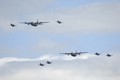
(41, 64)
(13, 25)
(108, 55)
(97, 54)
(48, 62)
(74, 54)
(34, 23)
(59, 22)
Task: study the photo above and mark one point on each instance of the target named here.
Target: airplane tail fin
(37, 20)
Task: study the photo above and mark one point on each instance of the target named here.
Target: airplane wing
(81, 53)
(42, 22)
(26, 23)
(66, 53)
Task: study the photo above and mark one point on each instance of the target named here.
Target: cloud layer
(44, 57)
(89, 69)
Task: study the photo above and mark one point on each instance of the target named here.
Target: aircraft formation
(73, 54)
(34, 24)
(108, 55)
(43, 64)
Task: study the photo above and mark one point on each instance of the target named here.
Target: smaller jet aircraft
(34, 23)
(97, 54)
(59, 22)
(74, 54)
(41, 64)
(13, 25)
(108, 55)
(48, 62)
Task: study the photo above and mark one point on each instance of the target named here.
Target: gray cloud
(98, 68)
(23, 7)
(44, 57)
(97, 18)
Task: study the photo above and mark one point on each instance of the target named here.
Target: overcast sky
(88, 25)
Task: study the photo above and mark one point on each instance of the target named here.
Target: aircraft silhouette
(59, 22)
(13, 25)
(41, 64)
(97, 54)
(74, 54)
(108, 55)
(48, 62)
(34, 23)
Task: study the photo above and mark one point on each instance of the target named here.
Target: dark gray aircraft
(74, 54)
(13, 25)
(97, 54)
(48, 62)
(41, 64)
(59, 22)
(34, 23)
(108, 55)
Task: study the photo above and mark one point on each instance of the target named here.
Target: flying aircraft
(108, 55)
(41, 64)
(13, 25)
(48, 62)
(97, 54)
(34, 23)
(59, 22)
(74, 54)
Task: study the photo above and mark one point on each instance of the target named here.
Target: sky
(88, 25)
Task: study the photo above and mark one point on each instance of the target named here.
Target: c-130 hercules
(34, 23)
(74, 54)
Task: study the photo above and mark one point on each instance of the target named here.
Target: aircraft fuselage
(74, 55)
(34, 24)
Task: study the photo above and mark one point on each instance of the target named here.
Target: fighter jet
(48, 62)
(41, 64)
(97, 54)
(59, 22)
(108, 55)
(34, 23)
(13, 25)
(74, 54)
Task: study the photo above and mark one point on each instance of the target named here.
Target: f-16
(34, 23)
(13, 25)
(48, 62)
(97, 54)
(59, 22)
(108, 55)
(41, 64)
(74, 54)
